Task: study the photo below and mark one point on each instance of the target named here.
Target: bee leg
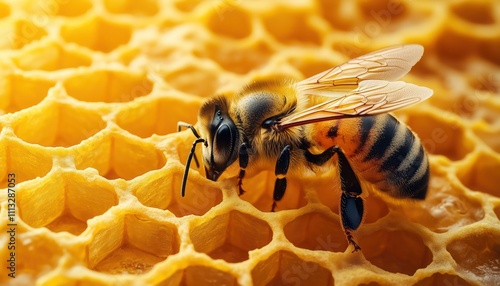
(280, 171)
(351, 204)
(243, 160)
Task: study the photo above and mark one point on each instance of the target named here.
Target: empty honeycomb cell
(19, 32)
(230, 21)
(200, 275)
(143, 8)
(489, 136)
(77, 123)
(442, 279)
(241, 59)
(199, 199)
(441, 135)
(316, 231)
(340, 14)
(4, 10)
(310, 66)
(259, 192)
(474, 12)
(444, 208)
(51, 56)
(67, 124)
(131, 157)
(94, 33)
(158, 116)
(290, 28)
(286, 268)
(193, 78)
(33, 160)
(230, 236)
(480, 174)
(65, 204)
(186, 5)
(43, 130)
(28, 268)
(497, 211)
(107, 85)
(73, 8)
(396, 251)
(21, 91)
(131, 243)
(478, 253)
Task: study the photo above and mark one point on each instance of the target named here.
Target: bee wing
(370, 98)
(386, 64)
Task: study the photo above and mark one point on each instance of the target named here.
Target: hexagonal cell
(73, 8)
(186, 5)
(442, 279)
(21, 90)
(93, 33)
(200, 275)
(316, 231)
(158, 115)
(32, 159)
(4, 10)
(19, 33)
(107, 85)
(231, 236)
(310, 65)
(41, 11)
(440, 135)
(291, 27)
(64, 201)
(481, 173)
(489, 136)
(478, 253)
(191, 71)
(131, 7)
(230, 21)
(259, 192)
(63, 124)
(239, 59)
(446, 207)
(29, 266)
(396, 251)
(132, 244)
(285, 268)
(132, 157)
(162, 190)
(474, 12)
(50, 56)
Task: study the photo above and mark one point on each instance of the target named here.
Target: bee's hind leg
(243, 161)
(351, 204)
(280, 172)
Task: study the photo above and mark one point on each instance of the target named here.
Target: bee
(295, 126)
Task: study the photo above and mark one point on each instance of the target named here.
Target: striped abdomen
(384, 152)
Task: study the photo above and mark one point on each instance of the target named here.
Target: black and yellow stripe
(400, 157)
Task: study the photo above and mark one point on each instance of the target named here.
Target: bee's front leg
(351, 204)
(243, 161)
(280, 171)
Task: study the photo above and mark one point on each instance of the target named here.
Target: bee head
(222, 136)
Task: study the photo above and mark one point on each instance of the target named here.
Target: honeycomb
(92, 90)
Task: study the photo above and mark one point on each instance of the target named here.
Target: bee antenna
(188, 163)
(181, 124)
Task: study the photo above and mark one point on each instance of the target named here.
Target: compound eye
(223, 146)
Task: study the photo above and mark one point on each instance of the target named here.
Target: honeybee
(295, 126)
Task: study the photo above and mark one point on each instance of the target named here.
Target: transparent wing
(387, 64)
(370, 98)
